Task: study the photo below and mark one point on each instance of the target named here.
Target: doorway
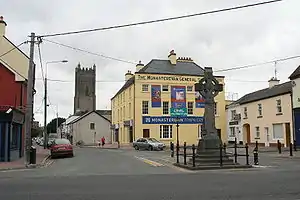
(287, 134)
(2, 141)
(130, 134)
(219, 134)
(146, 133)
(297, 126)
(116, 135)
(267, 134)
(246, 133)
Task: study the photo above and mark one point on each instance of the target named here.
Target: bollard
(255, 155)
(193, 150)
(224, 147)
(172, 149)
(247, 154)
(291, 149)
(235, 151)
(221, 155)
(118, 144)
(177, 152)
(184, 153)
(295, 146)
(256, 144)
(279, 146)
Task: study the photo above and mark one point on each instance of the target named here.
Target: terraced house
(143, 106)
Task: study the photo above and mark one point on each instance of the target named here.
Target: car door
(144, 143)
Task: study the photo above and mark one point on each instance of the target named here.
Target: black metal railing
(189, 152)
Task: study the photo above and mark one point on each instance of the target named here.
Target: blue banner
(178, 97)
(156, 96)
(199, 100)
(172, 120)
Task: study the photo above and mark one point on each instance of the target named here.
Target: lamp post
(45, 100)
(177, 129)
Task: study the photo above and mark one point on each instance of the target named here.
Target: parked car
(61, 147)
(148, 144)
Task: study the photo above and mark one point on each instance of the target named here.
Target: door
(267, 134)
(297, 127)
(2, 141)
(219, 133)
(146, 133)
(130, 134)
(287, 134)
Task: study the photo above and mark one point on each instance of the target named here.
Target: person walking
(103, 141)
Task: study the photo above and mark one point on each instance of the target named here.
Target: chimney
(2, 26)
(139, 66)
(128, 75)
(273, 81)
(172, 57)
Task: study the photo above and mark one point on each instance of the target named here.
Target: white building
(89, 128)
(234, 124)
(65, 128)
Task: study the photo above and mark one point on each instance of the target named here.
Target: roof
(15, 46)
(266, 93)
(70, 119)
(125, 86)
(295, 74)
(104, 112)
(156, 66)
(83, 116)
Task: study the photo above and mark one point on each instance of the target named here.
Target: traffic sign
(178, 111)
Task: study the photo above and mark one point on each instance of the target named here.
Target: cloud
(220, 41)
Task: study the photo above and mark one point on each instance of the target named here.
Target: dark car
(61, 147)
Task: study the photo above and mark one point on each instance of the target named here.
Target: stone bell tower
(85, 89)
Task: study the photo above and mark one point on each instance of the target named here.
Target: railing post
(235, 151)
(247, 154)
(279, 146)
(172, 149)
(177, 152)
(221, 155)
(224, 147)
(184, 153)
(193, 149)
(255, 156)
(291, 149)
(295, 146)
(256, 144)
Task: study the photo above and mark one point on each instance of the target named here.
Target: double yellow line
(150, 162)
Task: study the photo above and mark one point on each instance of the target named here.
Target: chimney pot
(2, 26)
(172, 57)
(139, 66)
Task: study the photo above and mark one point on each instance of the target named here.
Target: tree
(51, 126)
(35, 132)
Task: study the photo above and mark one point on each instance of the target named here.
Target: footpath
(42, 155)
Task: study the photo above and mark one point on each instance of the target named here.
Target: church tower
(85, 89)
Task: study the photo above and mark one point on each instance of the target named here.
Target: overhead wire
(160, 20)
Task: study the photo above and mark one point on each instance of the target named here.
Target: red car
(61, 147)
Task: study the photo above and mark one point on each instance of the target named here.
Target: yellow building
(141, 108)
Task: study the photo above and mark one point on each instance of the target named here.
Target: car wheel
(136, 147)
(150, 148)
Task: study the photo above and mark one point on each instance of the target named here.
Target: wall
(269, 117)
(187, 132)
(15, 59)
(238, 127)
(15, 92)
(82, 131)
(296, 94)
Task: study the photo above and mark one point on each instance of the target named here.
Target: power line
(15, 47)
(161, 20)
(257, 64)
(89, 52)
(41, 63)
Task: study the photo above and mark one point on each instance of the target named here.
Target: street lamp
(177, 129)
(45, 99)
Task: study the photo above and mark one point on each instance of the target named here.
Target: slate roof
(295, 74)
(156, 66)
(266, 93)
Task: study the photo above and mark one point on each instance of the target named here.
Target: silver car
(148, 144)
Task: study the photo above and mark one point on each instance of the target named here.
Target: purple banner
(156, 96)
(178, 97)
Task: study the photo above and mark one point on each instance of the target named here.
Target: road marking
(15, 170)
(260, 166)
(150, 162)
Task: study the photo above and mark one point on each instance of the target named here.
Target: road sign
(178, 112)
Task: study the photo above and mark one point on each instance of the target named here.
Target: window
(233, 113)
(232, 132)
(121, 113)
(277, 131)
(145, 88)
(165, 88)
(14, 137)
(129, 111)
(189, 88)
(145, 107)
(216, 110)
(190, 108)
(124, 112)
(259, 109)
(257, 132)
(165, 131)
(129, 93)
(245, 112)
(165, 108)
(278, 105)
(92, 126)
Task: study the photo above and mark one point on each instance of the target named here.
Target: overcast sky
(220, 41)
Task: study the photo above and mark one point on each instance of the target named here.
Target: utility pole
(57, 124)
(29, 104)
(45, 111)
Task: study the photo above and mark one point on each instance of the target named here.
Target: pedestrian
(103, 141)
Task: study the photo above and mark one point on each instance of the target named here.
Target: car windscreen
(62, 141)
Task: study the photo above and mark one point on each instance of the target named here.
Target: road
(120, 174)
